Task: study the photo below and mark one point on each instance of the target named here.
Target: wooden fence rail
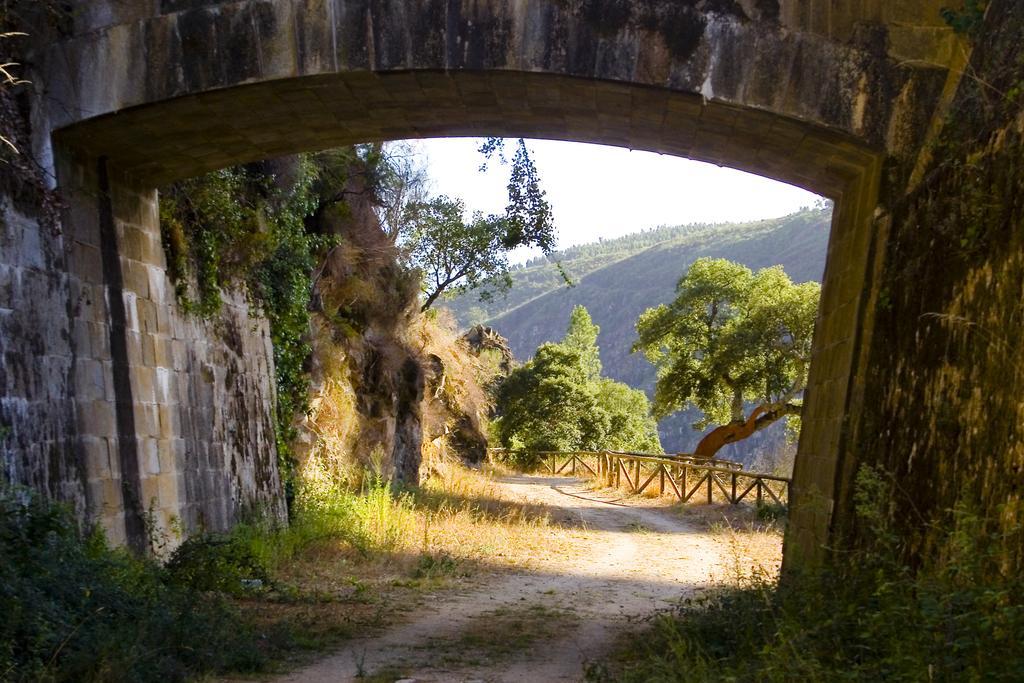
(682, 475)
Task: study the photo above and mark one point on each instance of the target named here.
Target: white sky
(603, 192)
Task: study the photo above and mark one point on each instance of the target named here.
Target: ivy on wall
(238, 228)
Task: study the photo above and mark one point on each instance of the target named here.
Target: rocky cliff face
(389, 383)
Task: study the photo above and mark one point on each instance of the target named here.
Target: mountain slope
(618, 279)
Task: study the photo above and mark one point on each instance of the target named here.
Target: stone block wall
(38, 445)
(942, 380)
(146, 420)
(193, 399)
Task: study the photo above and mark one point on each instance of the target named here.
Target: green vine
(237, 229)
(968, 20)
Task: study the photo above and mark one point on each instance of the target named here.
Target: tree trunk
(726, 434)
(741, 429)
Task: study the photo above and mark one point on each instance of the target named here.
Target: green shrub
(76, 610)
(215, 562)
(770, 512)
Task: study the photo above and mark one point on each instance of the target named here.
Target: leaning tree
(730, 340)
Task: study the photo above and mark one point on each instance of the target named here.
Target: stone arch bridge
(117, 402)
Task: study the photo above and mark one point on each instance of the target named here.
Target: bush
(869, 617)
(76, 610)
(222, 563)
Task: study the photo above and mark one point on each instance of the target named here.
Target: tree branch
(776, 413)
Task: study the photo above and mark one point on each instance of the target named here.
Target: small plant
(432, 565)
(771, 512)
(968, 20)
(221, 563)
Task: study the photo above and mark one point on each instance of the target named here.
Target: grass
(351, 562)
(867, 617)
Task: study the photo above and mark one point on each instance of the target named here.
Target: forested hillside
(616, 280)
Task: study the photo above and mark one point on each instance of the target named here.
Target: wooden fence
(682, 475)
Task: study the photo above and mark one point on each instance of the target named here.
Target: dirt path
(546, 624)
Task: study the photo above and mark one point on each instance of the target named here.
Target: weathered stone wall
(943, 385)
(112, 400)
(142, 419)
(38, 417)
(175, 414)
(38, 425)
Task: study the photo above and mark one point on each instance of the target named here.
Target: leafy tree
(456, 256)
(582, 336)
(528, 215)
(548, 404)
(630, 425)
(731, 338)
(559, 401)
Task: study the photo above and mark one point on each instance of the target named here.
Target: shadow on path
(543, 625)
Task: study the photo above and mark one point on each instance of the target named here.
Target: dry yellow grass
(753, 542)
(353, 563)
(465, 515)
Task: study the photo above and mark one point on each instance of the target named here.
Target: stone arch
(139, 96)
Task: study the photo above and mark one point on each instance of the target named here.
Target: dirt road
(545, 624)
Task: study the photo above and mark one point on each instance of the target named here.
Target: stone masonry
(155, 411)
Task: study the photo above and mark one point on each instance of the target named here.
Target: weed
(220, 563)
(771, 512)
(867, 617)
(433, 565)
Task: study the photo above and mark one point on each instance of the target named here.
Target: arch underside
(190, 135)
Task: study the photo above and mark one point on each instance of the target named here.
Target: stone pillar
(835, 384)
(175, 414)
